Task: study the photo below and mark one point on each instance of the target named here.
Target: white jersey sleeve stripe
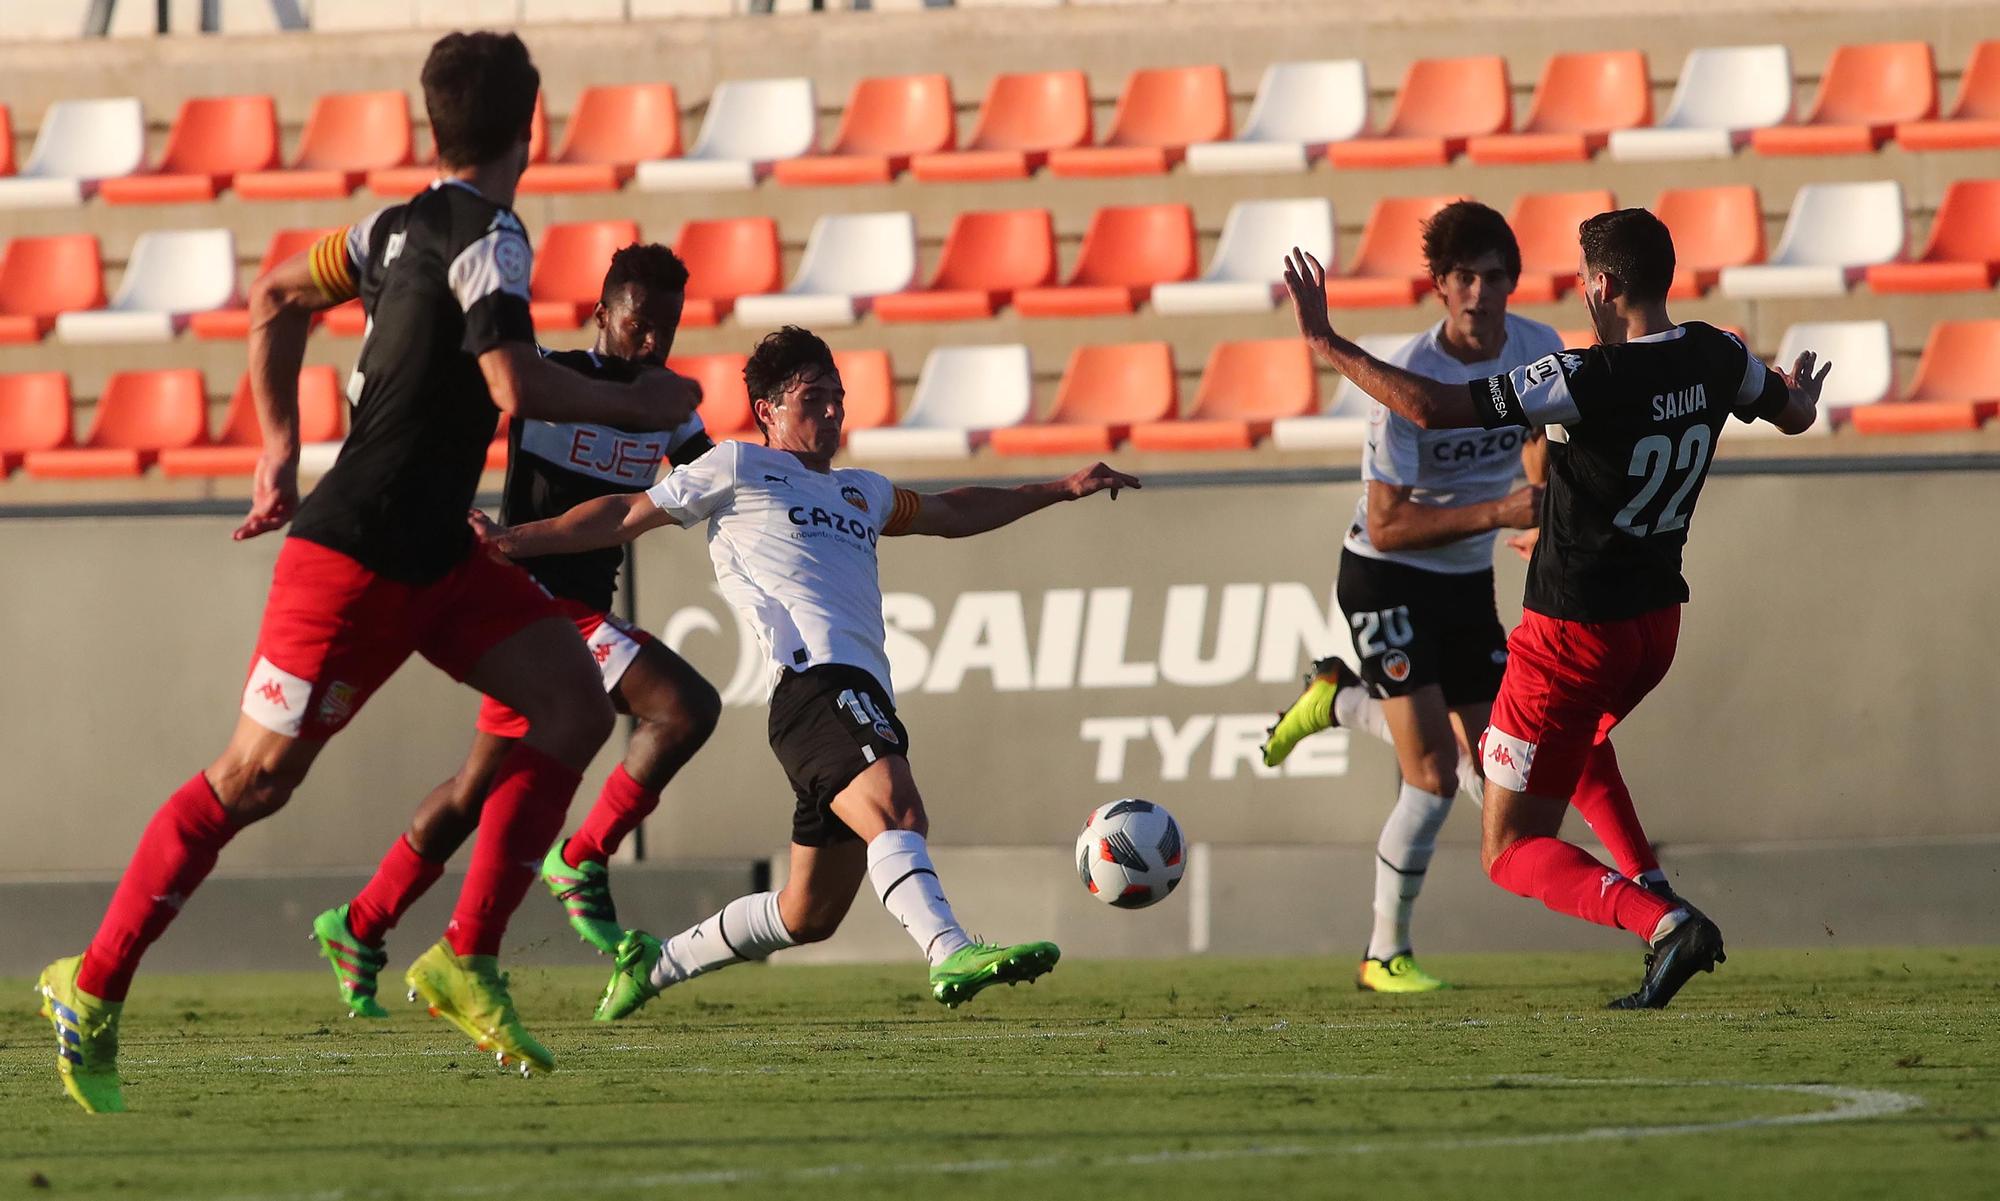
(498, 262)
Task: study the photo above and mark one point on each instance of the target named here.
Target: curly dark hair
(781, 359)
(1463, 231)
(646, 265)
(479, 89)
(1633, 247)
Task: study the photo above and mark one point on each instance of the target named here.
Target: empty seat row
(1726, 97)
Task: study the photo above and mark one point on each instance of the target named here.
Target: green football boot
(356, 965)
(1397, 974)
(86, 1038)
(631, 982)
(585, 893)
(1312, 712)
(471, 994)
(970, 969)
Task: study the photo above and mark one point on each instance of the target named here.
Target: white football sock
(747, 928)
(1354, 709)
(899, 866)
(1470, 782)
(1402, 856)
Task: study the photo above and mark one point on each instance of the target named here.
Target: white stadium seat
(962, 392)
(1344, 421)
(849, 258)
(750, 124)
(1834, 233)
(1246, 273)
(1864, 367)
(79, 143)
(1299, 108)
(171, 273)
(1723, 93)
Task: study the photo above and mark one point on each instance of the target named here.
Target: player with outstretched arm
(1632, 424)
(793, 542)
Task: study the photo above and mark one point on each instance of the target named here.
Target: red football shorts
(334, 631)
(1567, 684)
(612, 643)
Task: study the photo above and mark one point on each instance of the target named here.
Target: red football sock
(620, 808)
(402, 877)
(175, 855)
(523, 814)
(1570, 880)
(1605, 802)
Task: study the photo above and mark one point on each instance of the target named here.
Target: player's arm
(1427, 403)
(592, 525)
(963, 512)
(528, 386)
(1395, 522)
(1800, 407)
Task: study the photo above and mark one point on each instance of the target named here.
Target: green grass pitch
(1825, 1075)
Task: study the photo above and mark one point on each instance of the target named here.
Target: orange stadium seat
(6, 140)
(1245, 387)
(140, 414)
(1963, 251)
(611, 130)
(1865, 92)
(570, 267)
(1957, 385)
(727, 258)
(986, 258)
(34, 415)
(1162, 111)
(1712, 228)
(41, 277)
(322, 413)
(399, 182)
(1126, 250)
(871, 389)
(347, 135)
(1443, 101)
(1975, 119)
(886, 122)
(1581, 98)
(1388, 267)
(1105, 390)
(234, 322)
(1546, 224)
(214, 139)
(725, 402)
(1022, 119)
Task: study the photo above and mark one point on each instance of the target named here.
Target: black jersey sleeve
(490, 280)
(690, 444)
(1549, 391)
(1763, 394)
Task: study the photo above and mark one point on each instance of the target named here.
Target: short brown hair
(1633, 247)
(784, 357)
(1465, 230)
(479, 89)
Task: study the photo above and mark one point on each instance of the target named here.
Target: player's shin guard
(1606, 804)
(899, 866)
(1402, 856)
(1570, 880)
(620, 807)
(402, 877)
(521, 818)
(747, 928)
(175, 855)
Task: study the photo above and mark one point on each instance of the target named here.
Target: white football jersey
(793, 549)
(1447, 467)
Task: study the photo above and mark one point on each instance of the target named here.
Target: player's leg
(1606, 805)
(1427, 757)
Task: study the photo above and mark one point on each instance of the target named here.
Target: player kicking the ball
(793, 542)
(1416, 575)
(1632, 424)
(553, 466)
(379, 563)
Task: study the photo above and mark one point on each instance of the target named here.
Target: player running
(1632, 422)
(379, 563)
(1416, 575)
(793, 541)
(552, 466)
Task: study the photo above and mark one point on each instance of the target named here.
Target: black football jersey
(554, 466)
(443, 279)
(1632, 431)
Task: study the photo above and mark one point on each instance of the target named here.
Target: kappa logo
(1502, 757)
(273, 694)
(601, 651)
(853, 496)
(1604, 885)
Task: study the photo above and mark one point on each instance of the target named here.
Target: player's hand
(484, 528)
(1523, 543)
(1098, 478)
(1305, 279)
(274, 496)
(1521, 509)
(1802, 380)
(670, 398)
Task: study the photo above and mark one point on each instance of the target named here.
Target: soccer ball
(1130, 853)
